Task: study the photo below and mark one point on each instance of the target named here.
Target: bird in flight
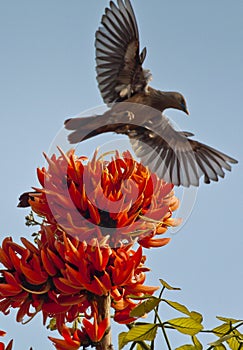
(136, 109)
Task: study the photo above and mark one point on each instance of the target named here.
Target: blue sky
(47, 72)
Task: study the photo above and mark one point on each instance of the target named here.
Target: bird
(137, 110)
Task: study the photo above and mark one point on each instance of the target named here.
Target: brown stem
(104, 304)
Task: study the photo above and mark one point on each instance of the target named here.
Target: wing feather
(175, 157)
(118, 60)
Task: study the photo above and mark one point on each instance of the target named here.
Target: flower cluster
(93, 212)
(120, 198)
(62, 277)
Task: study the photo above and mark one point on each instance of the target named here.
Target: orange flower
(2, 346)
(60, 274)
(119, 199)
(92, 212)
(72, 339)
(91, 333)
(95, 330)
(123, 316)
(28, 282)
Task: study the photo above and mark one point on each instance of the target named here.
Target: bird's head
(177, 101)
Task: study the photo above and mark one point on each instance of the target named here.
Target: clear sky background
(47, 73)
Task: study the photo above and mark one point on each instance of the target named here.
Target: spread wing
(118, 59)
(175, 157)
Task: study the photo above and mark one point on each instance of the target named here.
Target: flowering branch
(95, 219)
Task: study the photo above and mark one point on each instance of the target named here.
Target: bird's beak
(184, 108)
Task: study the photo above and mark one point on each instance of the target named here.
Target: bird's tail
(85, 127)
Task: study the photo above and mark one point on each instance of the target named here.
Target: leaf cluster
(142, 335)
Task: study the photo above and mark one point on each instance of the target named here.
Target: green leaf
(52, 324)
(235, 341)
(222, 329)
(182, 308)
(137, 297)
(145, 307)
(185, 325)
(142, 346)
(138, 333)
(228, 320)
(233, 337)
(197, 345)
(121, 339)
(178, 306)
(234, 344)
(196, 342)
(167, 286)
(220, 347)
(196, 316)
(222, 339)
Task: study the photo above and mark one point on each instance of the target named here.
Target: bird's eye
(183, 104)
